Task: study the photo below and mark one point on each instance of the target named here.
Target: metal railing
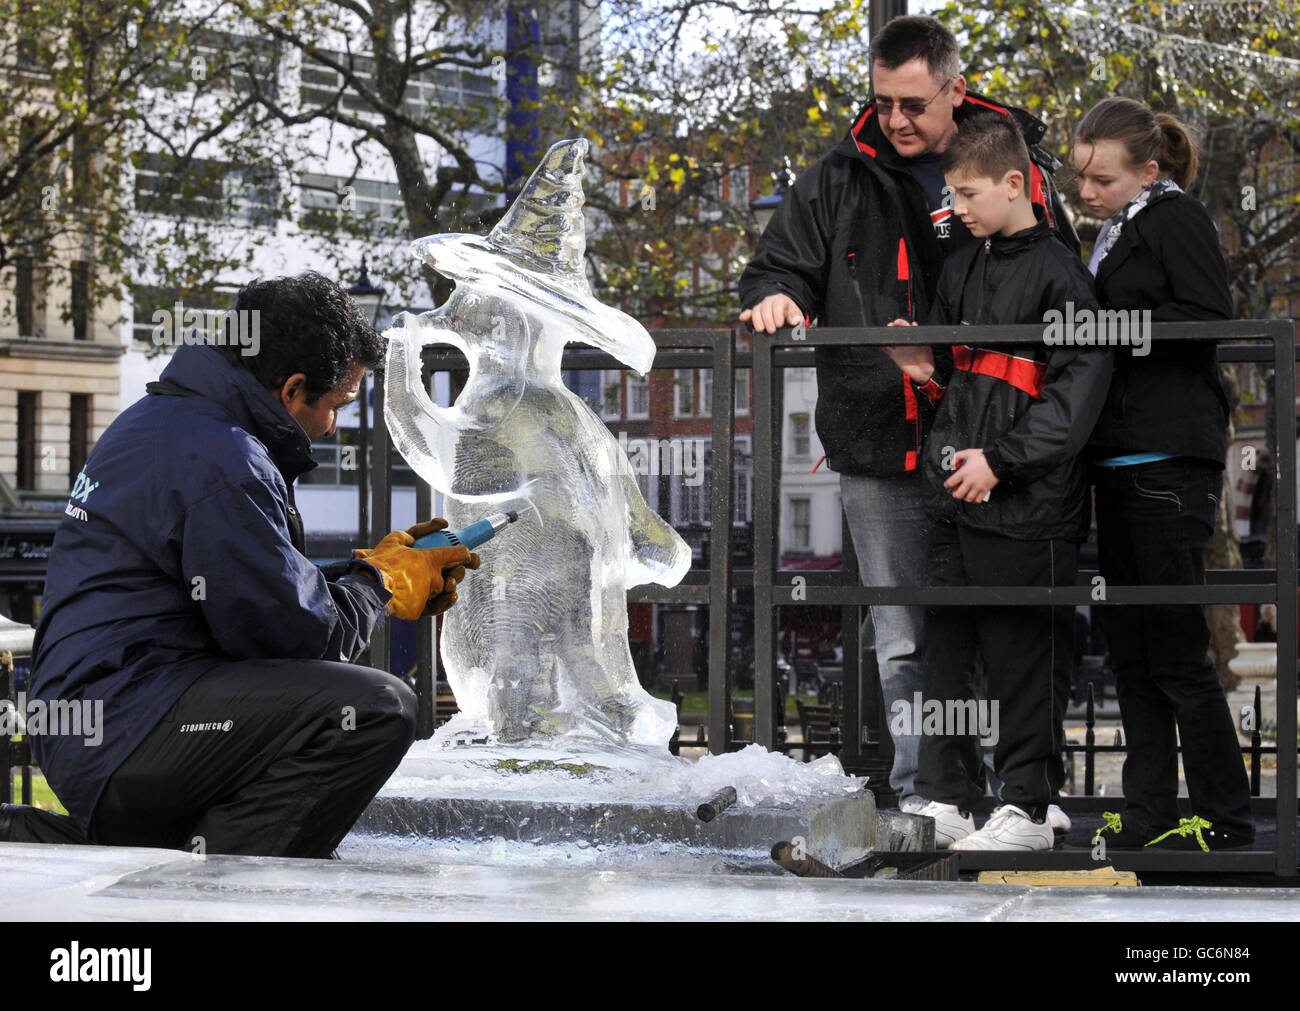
(716, 349)
(716, 586)
(15, 749)
(788, 348)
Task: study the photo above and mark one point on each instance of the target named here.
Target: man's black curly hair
(307, 324)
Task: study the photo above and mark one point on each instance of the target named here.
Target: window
(82, 164)
(638, 396)
(439, 87)
(611, 391)
(683, 393)
(78, 433)
(800, 524)
(339, 459)
(81, 315)
(324, 199)
(149, 299)
(742, 390)
(27, 404)
(586, 383)
(222, 59)
(693, 498)
(738, 186)
(742, 470)
(800, 444)
(1256, 387)
(26, 54)
(25, 296)
(706, 392)
(205, 188)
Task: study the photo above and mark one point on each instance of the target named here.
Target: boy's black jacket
(1032, 442)
(1167, 259)
(852, 243)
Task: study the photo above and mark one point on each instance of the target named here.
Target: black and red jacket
(853, 244)
(1030, 407)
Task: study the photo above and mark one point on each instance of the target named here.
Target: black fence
(857, 730)
(15, 749)
(860, 722)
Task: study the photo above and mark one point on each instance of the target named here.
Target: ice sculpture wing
(432, 438)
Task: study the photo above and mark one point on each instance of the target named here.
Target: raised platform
(542, 807)
(95, 883)
(836, 832)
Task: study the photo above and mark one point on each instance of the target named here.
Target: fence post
(1284, 345)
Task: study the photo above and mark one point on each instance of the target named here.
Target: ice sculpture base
(613, 808)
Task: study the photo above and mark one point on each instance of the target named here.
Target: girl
(1158, 454)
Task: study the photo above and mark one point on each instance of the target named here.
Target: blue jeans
(890, 534)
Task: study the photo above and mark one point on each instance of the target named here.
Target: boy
(1007, 496)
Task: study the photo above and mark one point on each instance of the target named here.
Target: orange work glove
(421, 580)
(451, 577)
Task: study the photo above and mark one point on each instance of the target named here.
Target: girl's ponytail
(1144, 135)
(1178, 157)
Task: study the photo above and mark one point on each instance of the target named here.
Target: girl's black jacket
(1166, 259)
(1030, 407)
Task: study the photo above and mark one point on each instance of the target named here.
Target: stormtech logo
(194, 728)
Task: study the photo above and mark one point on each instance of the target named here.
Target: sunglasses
(912, 108)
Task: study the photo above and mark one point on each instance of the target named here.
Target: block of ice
(536, 649)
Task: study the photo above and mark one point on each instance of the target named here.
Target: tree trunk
(1225, 553)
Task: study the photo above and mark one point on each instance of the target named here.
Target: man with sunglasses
(859, 241)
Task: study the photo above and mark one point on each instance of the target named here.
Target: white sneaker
(1058, 819)
(912, 804)
(1009, 828)
(950, 825)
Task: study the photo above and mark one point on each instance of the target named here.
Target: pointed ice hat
(536, 251)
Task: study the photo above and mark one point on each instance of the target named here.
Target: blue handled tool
(471, 536)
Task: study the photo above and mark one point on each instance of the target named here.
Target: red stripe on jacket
(857, 128)
(1021, 373)
(913, 415)
(904, 272)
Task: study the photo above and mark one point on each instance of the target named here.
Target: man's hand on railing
(772, 313)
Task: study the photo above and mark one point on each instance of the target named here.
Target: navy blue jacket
(180, 550)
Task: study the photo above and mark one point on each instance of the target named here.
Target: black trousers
(269, 757)
(1154, 523)
(1027, 654)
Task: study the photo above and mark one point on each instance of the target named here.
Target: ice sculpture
(536, 650)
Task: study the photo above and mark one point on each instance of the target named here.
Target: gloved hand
(451, 577)
(421, 580)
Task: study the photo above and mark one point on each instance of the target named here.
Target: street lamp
(765, 207)
(368, 297)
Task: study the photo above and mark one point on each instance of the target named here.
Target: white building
(810, 493)
(330, 179)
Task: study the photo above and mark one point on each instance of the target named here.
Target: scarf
(1110, 231)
